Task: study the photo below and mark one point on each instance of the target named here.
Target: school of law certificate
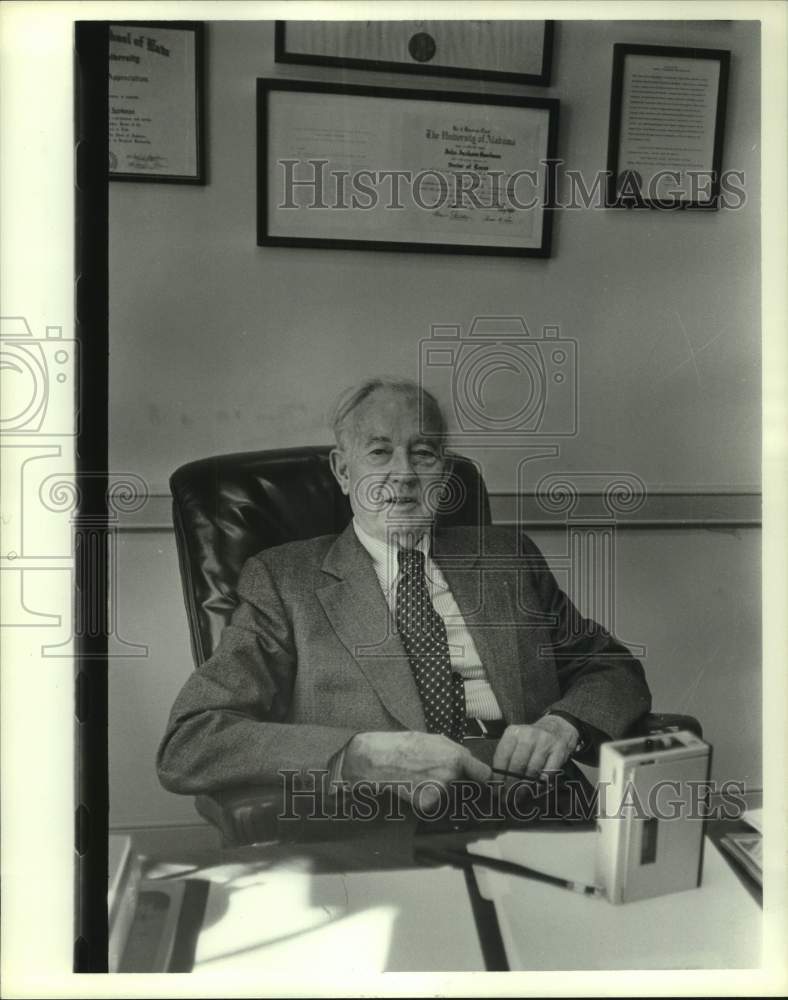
(152, 101)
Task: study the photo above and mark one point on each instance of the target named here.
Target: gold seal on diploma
(422, 46)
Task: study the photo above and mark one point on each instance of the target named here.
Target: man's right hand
(410, 758)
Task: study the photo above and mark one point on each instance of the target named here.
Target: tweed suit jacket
(311, 657)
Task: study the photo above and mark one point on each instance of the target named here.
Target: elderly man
(377, 653)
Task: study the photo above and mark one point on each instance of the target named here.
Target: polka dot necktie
(423, 635)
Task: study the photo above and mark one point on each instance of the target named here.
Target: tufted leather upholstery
(228, 507)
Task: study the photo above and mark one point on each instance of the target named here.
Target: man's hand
(410, 757)
(536, 749)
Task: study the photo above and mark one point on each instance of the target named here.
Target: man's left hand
(535, 750)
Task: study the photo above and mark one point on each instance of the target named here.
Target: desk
(715, 926)
(358, 904)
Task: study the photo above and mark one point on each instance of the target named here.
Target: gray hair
(429, 407)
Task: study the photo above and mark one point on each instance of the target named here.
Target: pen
(521, 777)
(467, 859)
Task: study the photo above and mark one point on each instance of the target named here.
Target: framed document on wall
(667, 119)
(377, 168)
(156, 99)
(514, 51)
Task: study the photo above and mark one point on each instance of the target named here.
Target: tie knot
(411, 561)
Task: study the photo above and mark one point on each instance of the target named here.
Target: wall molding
(655, 509)
(713, 509)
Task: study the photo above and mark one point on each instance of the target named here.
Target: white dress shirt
(480, 701)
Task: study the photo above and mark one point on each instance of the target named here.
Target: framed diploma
(513, 51)
(156, 100)
(667, 117)
(376, 168)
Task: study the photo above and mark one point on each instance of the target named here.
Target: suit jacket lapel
(486, 606)
(357, 610)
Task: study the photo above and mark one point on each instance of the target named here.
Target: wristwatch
(583, 741)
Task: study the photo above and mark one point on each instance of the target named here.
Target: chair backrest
(229, 507)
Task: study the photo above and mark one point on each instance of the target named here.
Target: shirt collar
(383, 555)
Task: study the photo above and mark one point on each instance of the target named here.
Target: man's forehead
(386, 411)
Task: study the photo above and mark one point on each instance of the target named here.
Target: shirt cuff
(335, 768)
(336, 763)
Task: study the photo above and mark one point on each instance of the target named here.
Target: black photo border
(200, 177)
(620, 52)
(91, 527)
(266, 85)
(541, 79)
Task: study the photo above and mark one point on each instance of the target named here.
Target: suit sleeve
(601, 683)
(228, 724)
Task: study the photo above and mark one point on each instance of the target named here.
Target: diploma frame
(274, 148)
(198, 175)
(614, 198)
(540, 79)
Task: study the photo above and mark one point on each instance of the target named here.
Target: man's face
(390, 467)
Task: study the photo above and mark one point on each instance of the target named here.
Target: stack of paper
(122, 893)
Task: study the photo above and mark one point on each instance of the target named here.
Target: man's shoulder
(293, 570)
(292, 564)
(503, 539)
(304, 553)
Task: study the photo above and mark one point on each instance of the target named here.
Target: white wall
(219, 345)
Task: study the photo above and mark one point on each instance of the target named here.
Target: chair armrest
(264, 814)
(243, 815)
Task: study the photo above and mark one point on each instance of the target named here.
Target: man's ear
(338, 461)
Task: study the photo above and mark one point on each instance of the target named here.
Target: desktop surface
(308, 903)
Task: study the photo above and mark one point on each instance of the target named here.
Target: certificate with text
(666, 129)
(392, 169)
(155, 102)
(515, 51)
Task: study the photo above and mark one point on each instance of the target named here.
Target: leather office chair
(227, 508)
